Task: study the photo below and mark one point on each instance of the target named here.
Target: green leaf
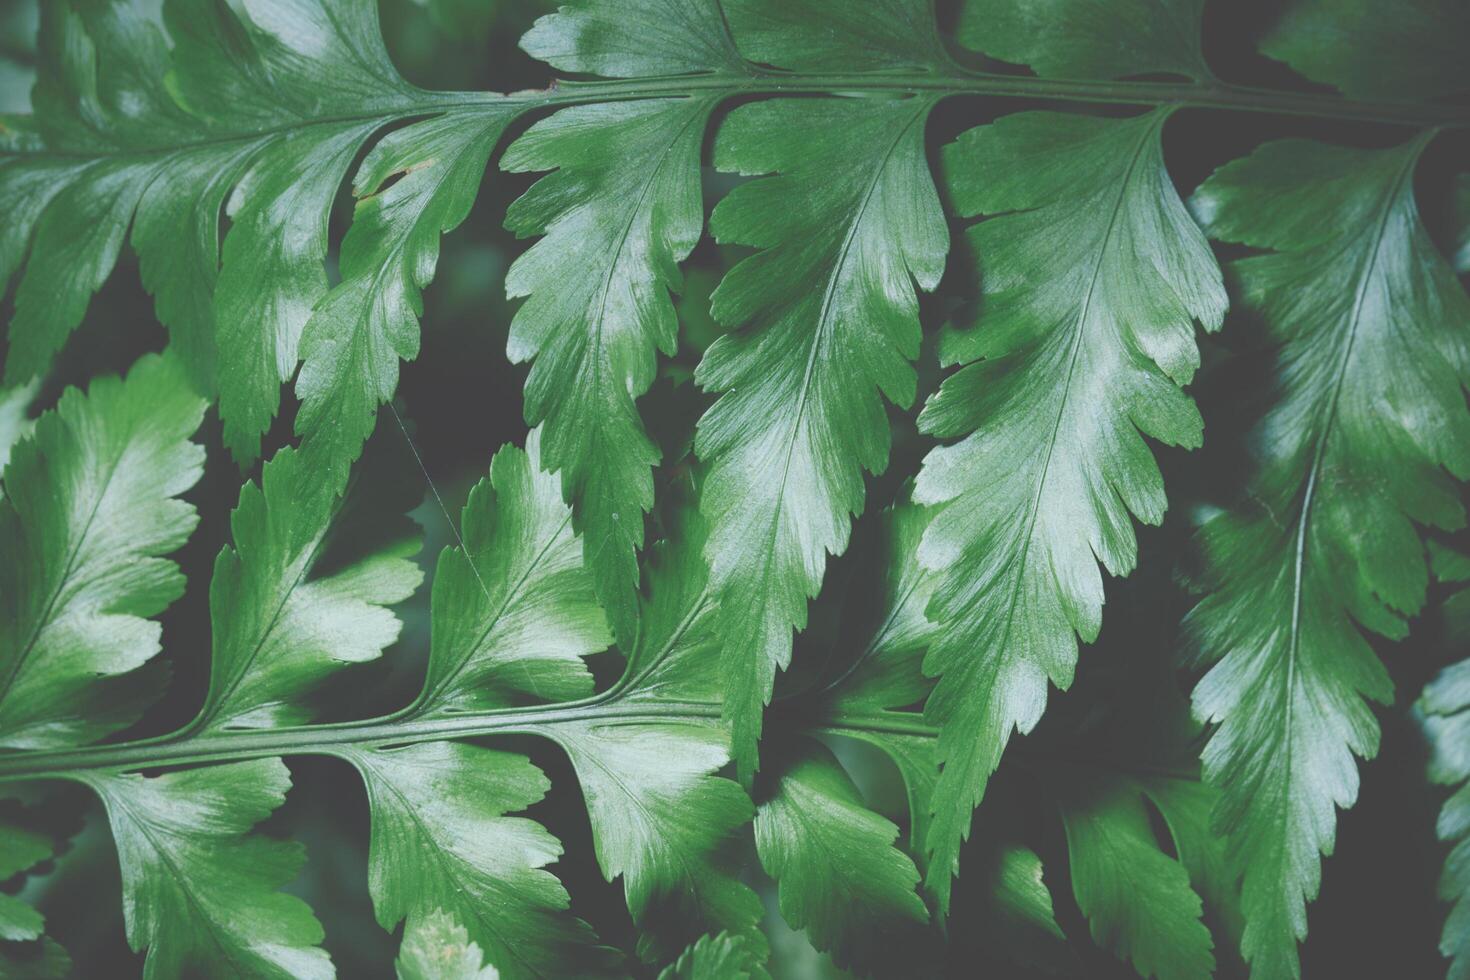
(15, 424)
(436, 947)
(280, 625)
(1443, 711)
(667, 824)
(815, 36)
(620, 213)
(1093, 277)
(200, 892)
(351, 346)
(633, 38)
(722, 957)
(887, 675)
(828, 318)
(1460, 211)
(1369, 329)
(88, 514)
(661, 817)
(441, 841)
(841, 879)
(258, 111)
(44, 959)
(72, 184)
(513, 611)
(1408, 50)
(1137, 899)
(21, 848)
(1089, 39)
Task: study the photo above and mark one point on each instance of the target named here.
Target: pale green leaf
(199, 891)
(633, 38)
(620, 213)
(828, 319)
(1089, 38)
(1409, 49)
(1372, 344)
(281, 626)
(88, 514)
(441, 840)
(1093, 278)
(436, 947)
(514, 611)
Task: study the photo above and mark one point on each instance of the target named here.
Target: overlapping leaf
(828, 318)
(1444, 711)
(199, 891)
(264, 108)
(514, 611)
(441, 840)
(1407, 50)
(89, 514)
(621, 211)
(1093, 278)
(280, 627)
(436, 947)
(1371, 335)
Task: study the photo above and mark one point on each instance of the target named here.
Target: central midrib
(326, 739)
(1213, 95)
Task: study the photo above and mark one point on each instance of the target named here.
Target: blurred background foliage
(461, 399)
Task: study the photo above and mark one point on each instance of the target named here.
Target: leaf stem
(238, 745)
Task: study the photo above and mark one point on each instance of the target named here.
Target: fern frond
(1444, 714)
(1369, 331)
(89, 511)
(1078, 369)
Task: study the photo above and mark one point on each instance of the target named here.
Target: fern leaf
(621, 212)
(1085, 39)
(199, 892)
(441, 840)
(265, 107)
(1370, 329)
(514, 612)
(721, 957)
(858, 902)
(1444, 714)
(88, 514)
(667, 824)
(74, 182)
(436, 947)
(351, 346)
(661, 817)
(15, 424)
(1137, 899)
(634, 38)
(1410, 50)
(279, 627)
(828, 318)
(1077, 367)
